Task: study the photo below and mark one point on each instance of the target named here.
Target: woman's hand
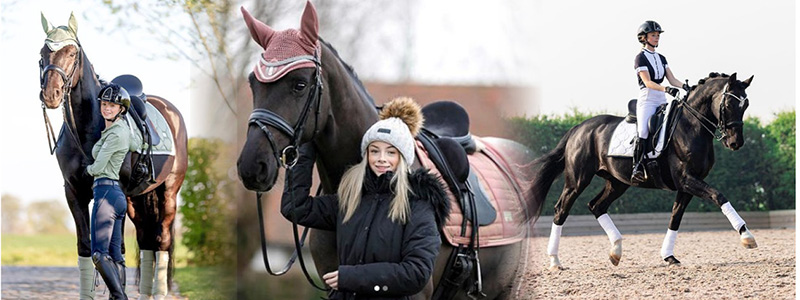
(332, 279)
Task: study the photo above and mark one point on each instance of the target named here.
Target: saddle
(447, 140)
(143, 168)
(655, 124)
(660, 127)
(449, 119)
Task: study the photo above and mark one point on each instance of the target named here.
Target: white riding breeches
(649, 100)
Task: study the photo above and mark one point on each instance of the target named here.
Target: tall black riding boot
(121, 273)
(638, 175)
(108, 270)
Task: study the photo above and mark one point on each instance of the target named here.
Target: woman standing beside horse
(386, 217)
(110, 203)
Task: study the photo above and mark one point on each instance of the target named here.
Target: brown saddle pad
(504, 194)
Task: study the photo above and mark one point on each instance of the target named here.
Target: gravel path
(24, 282)
(714, 266)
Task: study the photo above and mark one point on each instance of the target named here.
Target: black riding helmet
(647, 27)
(115, 94)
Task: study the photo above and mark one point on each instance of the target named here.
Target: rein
(72, 128)
(288, 157)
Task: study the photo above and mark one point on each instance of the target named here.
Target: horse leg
(79, 207)
(136, 212)
(575, 181)
(701, 189)
(599, 207)
(163, 258)
(681, 202)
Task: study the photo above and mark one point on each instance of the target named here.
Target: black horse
(68, 79)
(327, 105)
(717, 102)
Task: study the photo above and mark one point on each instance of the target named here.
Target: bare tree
(48, 217)
(11, 214)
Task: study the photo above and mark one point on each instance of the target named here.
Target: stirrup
(638, 175)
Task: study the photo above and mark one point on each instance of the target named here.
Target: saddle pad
(507, 227)
(165, 147)
(621, 140)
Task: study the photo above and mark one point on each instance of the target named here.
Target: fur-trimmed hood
(427, 187)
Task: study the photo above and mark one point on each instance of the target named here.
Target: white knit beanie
(400, 122)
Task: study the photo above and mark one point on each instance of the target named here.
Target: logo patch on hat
(385, 130)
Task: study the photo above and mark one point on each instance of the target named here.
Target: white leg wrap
(160, 286)
(733, 217)
(608, 226)
(555, 237)
(146, 271)
(86, 267)
(669, 243)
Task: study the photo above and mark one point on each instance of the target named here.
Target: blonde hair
(353, 182)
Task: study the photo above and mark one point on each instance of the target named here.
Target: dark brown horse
(716, 103)
(68, 80)
(334, 120)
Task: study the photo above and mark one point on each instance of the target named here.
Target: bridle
(288, 156)
(722, 124)
(67, 81)
(264, 118)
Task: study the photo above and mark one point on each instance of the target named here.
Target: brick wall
(486, 105)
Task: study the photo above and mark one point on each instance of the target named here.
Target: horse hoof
(748, 240)
(555, 264)
(615, 254)
(672, 261)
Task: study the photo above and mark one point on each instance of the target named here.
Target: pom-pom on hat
(401, 120)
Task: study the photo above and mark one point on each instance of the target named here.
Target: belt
(105, 181)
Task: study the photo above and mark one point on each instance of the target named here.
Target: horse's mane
(710, 76)
(351, 72)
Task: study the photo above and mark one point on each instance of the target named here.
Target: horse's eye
(299, 86)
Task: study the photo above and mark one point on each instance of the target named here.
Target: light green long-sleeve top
(109, 152)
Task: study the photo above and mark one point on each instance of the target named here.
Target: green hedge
(759, 176)
(207, 205)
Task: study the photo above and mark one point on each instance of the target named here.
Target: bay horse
(715, 103)
(68, 79)
(307, 94)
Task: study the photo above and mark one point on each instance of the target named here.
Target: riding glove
(671, 90)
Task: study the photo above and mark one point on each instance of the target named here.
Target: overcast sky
(574, 54)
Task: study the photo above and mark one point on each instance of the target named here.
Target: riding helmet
(115, 94)
(647, 27)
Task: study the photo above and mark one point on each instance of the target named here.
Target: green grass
(61, 250)
(206, 283)
(48, 250)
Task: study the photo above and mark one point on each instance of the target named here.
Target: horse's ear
(747, 81)
(73, 24)
(732, 79)
(309, 26)
(45, 24)
(260, 32)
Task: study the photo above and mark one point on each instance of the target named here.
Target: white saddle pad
(165, 146)
(621, 140)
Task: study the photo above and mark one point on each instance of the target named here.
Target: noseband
(264, 118)
(66, 90)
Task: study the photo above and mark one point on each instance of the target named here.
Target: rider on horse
(651, 69)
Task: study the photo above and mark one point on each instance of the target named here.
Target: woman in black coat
(387, 218)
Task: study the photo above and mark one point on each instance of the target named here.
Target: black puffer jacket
(378, 258)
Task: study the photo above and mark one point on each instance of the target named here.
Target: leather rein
(67, 81)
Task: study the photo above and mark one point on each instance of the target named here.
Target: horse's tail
(545, 170)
